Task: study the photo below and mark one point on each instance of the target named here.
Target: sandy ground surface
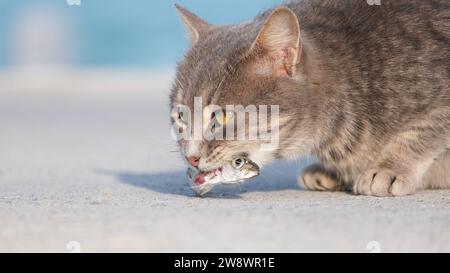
(103, 173)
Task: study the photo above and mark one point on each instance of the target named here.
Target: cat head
(250, 65)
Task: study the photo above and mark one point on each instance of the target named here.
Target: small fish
(237, 171)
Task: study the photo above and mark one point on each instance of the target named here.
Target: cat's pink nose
(193, 160)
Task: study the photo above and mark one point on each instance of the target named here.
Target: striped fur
(370, 96)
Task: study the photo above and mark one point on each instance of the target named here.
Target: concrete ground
(99, 172)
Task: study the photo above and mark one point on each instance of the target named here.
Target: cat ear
(195, 26)
(278, 47)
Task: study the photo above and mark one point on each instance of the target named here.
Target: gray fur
(370, 96)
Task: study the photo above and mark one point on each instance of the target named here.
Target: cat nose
(193, 160)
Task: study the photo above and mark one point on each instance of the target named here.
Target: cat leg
(405, 159)
(394, 177)
(317, 178)
(384, 182)
(438, 175)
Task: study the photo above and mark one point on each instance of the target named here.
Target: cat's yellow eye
(222, 118)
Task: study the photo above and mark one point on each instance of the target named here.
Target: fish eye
(238, 163)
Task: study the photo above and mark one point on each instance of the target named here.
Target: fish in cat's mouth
(201, 177)
(238, 170)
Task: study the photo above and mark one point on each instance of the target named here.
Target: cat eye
(238, 163)
(221, 118)
(182, 117)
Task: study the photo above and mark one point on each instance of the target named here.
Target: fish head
(237, 171)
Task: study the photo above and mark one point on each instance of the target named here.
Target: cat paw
(383, 183)
(317, 178)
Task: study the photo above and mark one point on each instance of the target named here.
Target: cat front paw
(384, 183)
(316, 178)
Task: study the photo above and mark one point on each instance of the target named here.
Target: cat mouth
(203, 177)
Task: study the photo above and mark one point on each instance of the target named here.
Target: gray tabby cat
(365, 89)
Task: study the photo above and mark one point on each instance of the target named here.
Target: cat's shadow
(276, 177)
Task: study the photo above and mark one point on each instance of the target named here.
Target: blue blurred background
(106, 33)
